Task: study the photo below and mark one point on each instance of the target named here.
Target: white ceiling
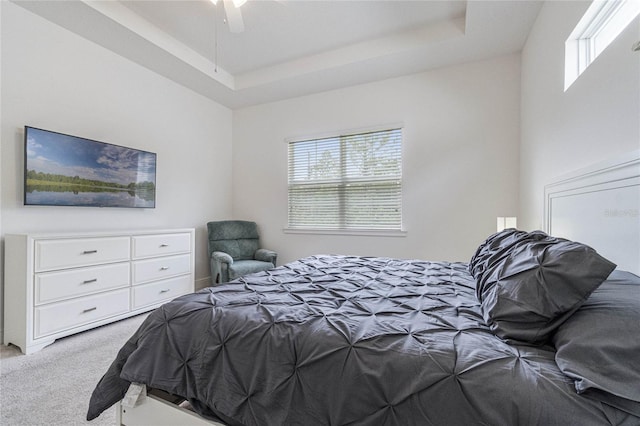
(294, 47)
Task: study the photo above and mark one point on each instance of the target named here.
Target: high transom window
(603, 21)
(347, 182)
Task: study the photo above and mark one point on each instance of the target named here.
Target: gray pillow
(496, 247)
(599, 346)
(530, 283)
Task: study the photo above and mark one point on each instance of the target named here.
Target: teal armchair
(234, 250)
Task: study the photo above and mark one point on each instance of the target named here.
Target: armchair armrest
(266, 256)
(222, 257)
(220, 262)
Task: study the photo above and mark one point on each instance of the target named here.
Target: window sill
(351, 232)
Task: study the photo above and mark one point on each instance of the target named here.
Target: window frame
(400, 232)
(600, 25)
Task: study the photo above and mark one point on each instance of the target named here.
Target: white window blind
(349, 182)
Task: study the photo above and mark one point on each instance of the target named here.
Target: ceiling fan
(233, 13)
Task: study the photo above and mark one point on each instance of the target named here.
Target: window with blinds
(350, 182)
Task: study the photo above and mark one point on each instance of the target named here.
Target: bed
(534, 330)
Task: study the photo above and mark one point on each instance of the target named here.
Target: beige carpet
(53, 386)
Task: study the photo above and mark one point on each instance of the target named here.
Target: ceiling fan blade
(234, 17)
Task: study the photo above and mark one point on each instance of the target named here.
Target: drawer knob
(89, 310)
(90, 281)
(164, 245)
(89, 251)
(164, 268)
(165, 291)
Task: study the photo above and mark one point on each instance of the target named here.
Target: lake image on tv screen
(65, 170)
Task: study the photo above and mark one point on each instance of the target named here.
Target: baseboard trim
(203, 282)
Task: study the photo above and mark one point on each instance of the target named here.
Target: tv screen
(64, 170)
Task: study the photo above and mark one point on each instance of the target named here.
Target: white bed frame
(159, 410)
(598, 206)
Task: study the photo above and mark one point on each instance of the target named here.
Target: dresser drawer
(57, 285)
(59, 254)
(158, 245)
(72, 313)
(149, 294)
(164, 267)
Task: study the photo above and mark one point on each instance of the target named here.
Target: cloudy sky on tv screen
(72, 156)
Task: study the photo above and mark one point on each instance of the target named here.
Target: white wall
(1, 245)
(460, 171)
(598, 117)
(54, 79)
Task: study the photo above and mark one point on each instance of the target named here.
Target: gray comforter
(336, 340)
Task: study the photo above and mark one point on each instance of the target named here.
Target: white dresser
(61, 284)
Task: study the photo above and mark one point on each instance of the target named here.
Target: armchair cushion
(244, 267)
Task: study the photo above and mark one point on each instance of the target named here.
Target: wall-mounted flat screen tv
(65, 170)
